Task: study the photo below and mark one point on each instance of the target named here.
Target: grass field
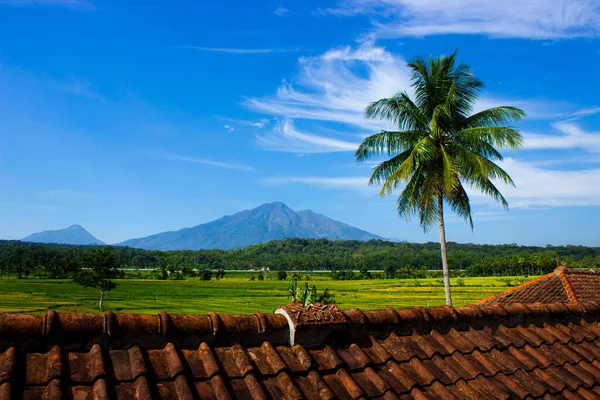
(232, 295)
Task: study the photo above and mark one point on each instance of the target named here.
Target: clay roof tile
(477, 351)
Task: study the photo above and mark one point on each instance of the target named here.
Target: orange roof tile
(477, 352)
(561, 286)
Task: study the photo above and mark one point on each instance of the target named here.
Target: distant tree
(187, 271)
(364, 273)
(206, 274)
(390, 271)
(61, 266)
(252, 277)
(295, 276)
(281, 275)
(441, 146)
(220, 274)
(261, 276)
(100, 272)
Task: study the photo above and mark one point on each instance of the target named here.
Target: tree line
(394, 259)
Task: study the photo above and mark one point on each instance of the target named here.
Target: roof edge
(83, 329)
(512, 289)
(562, 274)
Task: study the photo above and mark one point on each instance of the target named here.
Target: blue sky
(132, 118)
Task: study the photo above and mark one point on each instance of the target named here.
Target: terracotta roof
(319, 352)
(561, 286)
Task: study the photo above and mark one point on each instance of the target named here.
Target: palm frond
(399, 110)
(387, 142)
(460, 204)
(496, 116)
(498, 136)
(385, 169)
(420, 154)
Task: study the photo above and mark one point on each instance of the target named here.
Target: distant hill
(74, 234)
(273, 221)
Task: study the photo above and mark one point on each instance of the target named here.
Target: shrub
(310, 295)
(206, 275)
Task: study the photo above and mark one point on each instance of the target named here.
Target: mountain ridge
(269, 221)
(74, 234)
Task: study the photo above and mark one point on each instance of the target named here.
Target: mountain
(273, 221)
(74, 234)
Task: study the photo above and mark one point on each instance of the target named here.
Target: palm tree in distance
(440, 145)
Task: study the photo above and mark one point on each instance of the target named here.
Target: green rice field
(232, 295)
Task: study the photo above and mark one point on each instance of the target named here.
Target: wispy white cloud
(337, 86)
(286, 138)
(73, 4)
(572, 137)
(221, 164)
(261, 123)
(76, 87)
(354, 183)
(535, 187)
(584, 112)
(329, 88)
(279, 11)
(232, 50)
(257, 123)
(531, 19)
(228, 128)
(540, 187)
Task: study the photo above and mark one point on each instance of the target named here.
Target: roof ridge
(586, 271)
(512, 289)
(54, 327)
(562, 274)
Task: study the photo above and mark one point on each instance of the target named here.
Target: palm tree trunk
(101, 299)
(445, 269)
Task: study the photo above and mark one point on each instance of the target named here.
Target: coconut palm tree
(441, 146)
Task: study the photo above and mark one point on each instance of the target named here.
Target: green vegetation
(310, 295)
(230, 295)
(394, 260)
(440, 145)
(100, 272)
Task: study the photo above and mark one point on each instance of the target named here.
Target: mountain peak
(274, 205)
(75, 226)
(74, 234)
(269, 221)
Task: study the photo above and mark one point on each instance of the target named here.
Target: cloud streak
(572, 137)
(336, 86)
(539, 187)
(286, 138)
(530, 19)
(535, 187)
(231, 50)
(220, 164)
(353, 182)
(280, 11)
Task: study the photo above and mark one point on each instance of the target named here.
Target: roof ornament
(302, 318)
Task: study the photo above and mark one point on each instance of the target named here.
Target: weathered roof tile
(564, 285)
(500, 352)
